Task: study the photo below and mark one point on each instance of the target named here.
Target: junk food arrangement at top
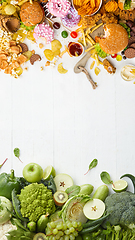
(105, 29)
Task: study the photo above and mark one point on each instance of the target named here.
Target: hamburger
(126, 4)
(31, 13)
(114, 40)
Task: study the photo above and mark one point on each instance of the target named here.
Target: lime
(48, 172)
(120, 185)
(94, 209)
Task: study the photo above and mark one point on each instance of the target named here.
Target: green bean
(90, 229)
(95, 222)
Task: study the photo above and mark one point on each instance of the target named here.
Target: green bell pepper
(8, 182)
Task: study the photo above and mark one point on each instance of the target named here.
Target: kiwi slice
(60, 197)
(39, 236)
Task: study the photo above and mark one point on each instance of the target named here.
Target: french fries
(86, 7)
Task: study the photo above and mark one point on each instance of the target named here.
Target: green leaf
(105, 177)
(73, 190)
(92, 165)
(17, 153)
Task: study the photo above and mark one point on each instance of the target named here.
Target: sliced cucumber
(94, 209)
(120, 185)
(101, 192)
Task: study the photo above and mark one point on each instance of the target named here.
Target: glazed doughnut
(71, 19)
(58, 8)
(43, 30)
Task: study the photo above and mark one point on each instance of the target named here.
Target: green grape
(75, 233)
(61, 238)
(64, 226)
(48, 231)
(48, 225)
(55, 231)
(59, 226)
(69, 224)
(67, 232)
(50, 237)
(71, 237)
(66, 237)
(74, 223)
(57, 236)
(71, 229)
(53, 238)
(52, 224)
(79, 224)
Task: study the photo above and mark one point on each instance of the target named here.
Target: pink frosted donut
(58, 8)
(71, 19)
(43, 30)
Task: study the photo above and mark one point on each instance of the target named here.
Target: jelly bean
(64, 34)
(73, 34)
(56, 25)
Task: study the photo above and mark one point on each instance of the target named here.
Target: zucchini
(101, 192)
(94, 222)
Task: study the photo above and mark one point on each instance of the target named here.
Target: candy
(73, 34)
(64, 34)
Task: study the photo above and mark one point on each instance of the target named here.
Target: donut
(43, 30)
(59, 8)
(71, 19)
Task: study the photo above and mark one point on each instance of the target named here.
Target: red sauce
(75, 49)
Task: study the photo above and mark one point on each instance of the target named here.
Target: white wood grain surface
(60, 120)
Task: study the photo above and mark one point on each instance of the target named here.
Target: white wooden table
(60, 120)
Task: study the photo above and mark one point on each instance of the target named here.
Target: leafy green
(127, 28)
(17, 153)
(72, 191)
(99, 51)
(127, 4)
(26, 27)
(105, 177)
(20, 232)
(92, 165)
(50, 184)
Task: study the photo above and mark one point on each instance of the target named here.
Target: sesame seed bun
(115, 39)
(31, 13)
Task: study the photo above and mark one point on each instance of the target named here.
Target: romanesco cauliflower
(36, 200)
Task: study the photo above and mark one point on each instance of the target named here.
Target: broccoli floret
(121, 207)
(36, 200)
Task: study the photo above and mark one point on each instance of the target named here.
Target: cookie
(34, 58)
(11, 24)
(24, 47)
(129, 52)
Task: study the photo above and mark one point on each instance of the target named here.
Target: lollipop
(43, 30)
(58, 8)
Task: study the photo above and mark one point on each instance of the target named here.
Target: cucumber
(131, 177)
(101, 192)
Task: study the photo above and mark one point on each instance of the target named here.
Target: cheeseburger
(115, 38)
(31, 13)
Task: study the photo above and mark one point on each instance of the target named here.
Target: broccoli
(36, 200)
(121, 207)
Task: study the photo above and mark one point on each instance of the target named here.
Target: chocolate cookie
(34, 58)
(130, 52)
(24, 47)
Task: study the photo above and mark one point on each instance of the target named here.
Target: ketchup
(75, 49)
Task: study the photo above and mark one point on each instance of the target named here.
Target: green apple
(33, 172)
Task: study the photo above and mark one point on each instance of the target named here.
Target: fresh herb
(92, 165)
(72, 191)
(17, 153)
(3, 163)
(105, 177)
(99, 51)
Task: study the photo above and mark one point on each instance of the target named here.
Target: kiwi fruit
(60, 197)
(39, 236)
